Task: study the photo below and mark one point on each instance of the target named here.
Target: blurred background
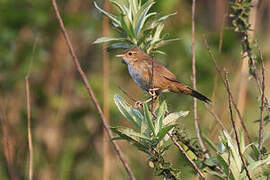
(67, 131)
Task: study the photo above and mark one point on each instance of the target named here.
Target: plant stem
(29, 133)
(262, 113)
(223, 80)
(90, 91)
(234, 127)
(244, 65)
(106, 90)
(197, 128)
(186, 156)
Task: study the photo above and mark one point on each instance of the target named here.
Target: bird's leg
(153, 92)
(154, 95)
(138, 104)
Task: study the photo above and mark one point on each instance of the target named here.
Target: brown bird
(140, 69)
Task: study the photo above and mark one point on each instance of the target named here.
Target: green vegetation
(66, 129)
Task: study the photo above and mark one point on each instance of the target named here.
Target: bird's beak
(120, 55)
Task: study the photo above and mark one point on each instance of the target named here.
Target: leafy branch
(149, 133)
(138, 27)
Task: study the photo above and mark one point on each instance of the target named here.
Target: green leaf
(214, 173)
(130, 133)
(129, 13)
(141, 23)
(120, 46)
(116, 138)
(157, 34)
(235, 160)
(163, 18)
(112, 17)
(142, 16)
(133, 6)
(134, 140)
(149, 118)
(107, 39)
(234, 151)
(255, 149)
(160, 116)
(212, 161)
(225, 166)
(172, 117)
(258, 164)
(144, 128)
(125, 27)
(141, 10)
(119, 6)
(133, 115)
(164, 131)
(158, 52)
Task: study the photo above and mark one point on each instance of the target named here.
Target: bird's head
(131, 56)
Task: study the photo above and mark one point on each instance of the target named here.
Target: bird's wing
(164, 72)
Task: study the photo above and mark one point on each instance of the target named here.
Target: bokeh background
(67, 131)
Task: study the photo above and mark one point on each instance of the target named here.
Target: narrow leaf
(123, 10)
(172, 117)
(125, 27)
(163, 18)
(160, 116)
(128, 111)
(164, 131)
(148, 117)
(132, 139)
(106, 39)
(120, 46)
(130, 132)
(112, 17)
(142, 17)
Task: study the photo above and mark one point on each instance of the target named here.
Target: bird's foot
(138, 104)
(153, 92)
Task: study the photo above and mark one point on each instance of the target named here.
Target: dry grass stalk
(29, 132)
(197, 128)
(106, 92)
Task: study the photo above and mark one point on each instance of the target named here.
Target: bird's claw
(153, 92)
(138, 104)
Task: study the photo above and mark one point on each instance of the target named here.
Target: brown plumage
(140, 69)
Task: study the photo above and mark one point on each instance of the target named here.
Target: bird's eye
(130, 53)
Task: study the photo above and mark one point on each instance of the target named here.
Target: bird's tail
(180, 87)
(199, 96)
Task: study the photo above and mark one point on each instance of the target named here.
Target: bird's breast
(137, 76)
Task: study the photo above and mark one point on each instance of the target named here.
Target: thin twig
(262, 113)
(243, 81)
(106, 91)
(212, 112)
(186, 156)
(90, 91)
(29, 133)
(224, 82)
(28, 103)
(126, 93)
(197, 128)
(234, 127)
